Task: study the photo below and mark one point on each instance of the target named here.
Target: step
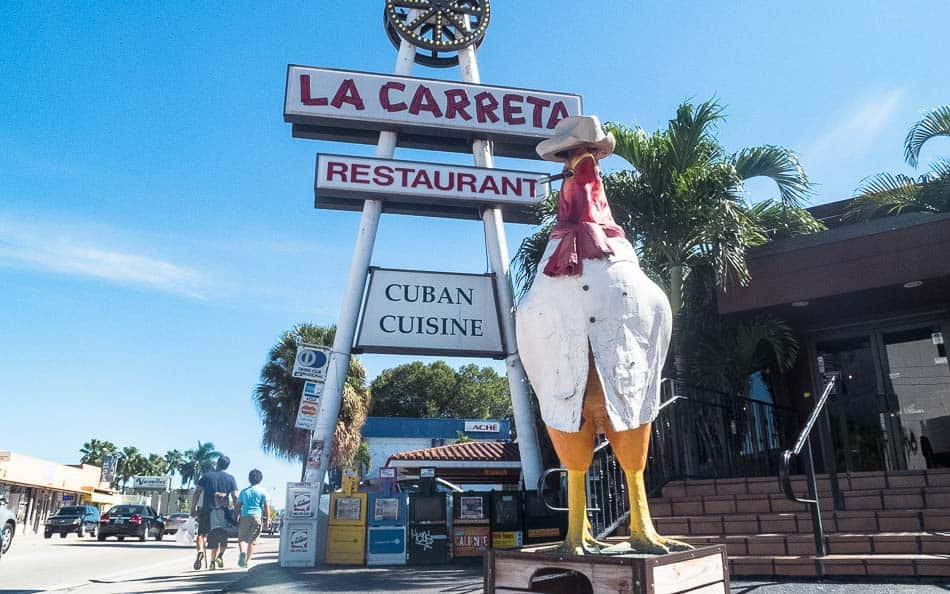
(924, 566)
(935, 477)
(890, 543)
(848, 522)
(854, 500)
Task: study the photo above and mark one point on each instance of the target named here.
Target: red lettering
(511, 111)
(538, 104)
(384, 175)
(466, 179)
(558, 113)
(336, 168)
(449, 181)
(508, 184)
(485, 106)
(489, 182)
(423, 100)
(405, 171)
(456, 100)
(348, 93)
(532, 183)
(359, 173)
(422, 178)
(305, 97)
(384, 100)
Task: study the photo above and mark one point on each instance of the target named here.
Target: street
(87, 566)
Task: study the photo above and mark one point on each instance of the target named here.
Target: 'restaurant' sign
(409, 187)
(348, 106)
(430, 313)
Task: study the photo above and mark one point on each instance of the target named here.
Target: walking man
(212, 492)
(253, 513)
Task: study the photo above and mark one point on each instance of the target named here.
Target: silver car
(7, 526)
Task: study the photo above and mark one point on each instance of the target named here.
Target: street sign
(482, 427)
(350, 106)
(157, 483)
(311, 362)
(430, 313)
(430, 189)
(309, 405)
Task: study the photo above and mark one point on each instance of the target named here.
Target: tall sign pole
(497, 246)
(350, 310)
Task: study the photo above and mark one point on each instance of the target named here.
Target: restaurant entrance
(890, 409)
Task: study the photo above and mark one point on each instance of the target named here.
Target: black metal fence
(699, 434)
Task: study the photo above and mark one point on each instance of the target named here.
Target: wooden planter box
(538, 568)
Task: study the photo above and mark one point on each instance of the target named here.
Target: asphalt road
(87, 566)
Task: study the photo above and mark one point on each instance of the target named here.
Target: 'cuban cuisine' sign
(329, 104)
(409, 187)
(430, 313)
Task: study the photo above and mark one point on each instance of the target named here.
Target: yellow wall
(34, 472)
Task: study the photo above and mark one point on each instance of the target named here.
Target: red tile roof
(473, 451)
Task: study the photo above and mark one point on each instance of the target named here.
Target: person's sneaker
(198, 561)
(219, 561)
(242, 560)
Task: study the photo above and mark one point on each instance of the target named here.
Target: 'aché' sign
(430, 313)
(329, 104)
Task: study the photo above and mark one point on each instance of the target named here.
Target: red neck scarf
(584, 222)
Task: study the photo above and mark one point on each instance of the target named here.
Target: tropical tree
(131, 462)
(197, 462)
(436, 390)
(277, 397)
(173, 462)
(887, 194)
(93, 451)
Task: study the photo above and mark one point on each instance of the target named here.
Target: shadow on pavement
(132, 545)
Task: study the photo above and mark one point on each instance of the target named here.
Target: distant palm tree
(173, 462)
(197, 462)
(277, 397)
(891, 194)
(93, 450)
(131, 463)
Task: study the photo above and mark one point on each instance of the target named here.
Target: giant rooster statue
(593, 332)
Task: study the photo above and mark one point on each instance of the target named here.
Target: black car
(139, 521)
(81, 519)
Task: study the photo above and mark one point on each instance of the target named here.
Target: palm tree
(131, 463)
(173, 461)
(93, 450)
(887, 194)
(277, 397)
(197, 462)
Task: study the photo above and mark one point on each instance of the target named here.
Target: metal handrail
(784, 471)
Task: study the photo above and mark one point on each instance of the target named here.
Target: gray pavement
(468, 580)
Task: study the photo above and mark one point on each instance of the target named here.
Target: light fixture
(799, 303)
(913, 284)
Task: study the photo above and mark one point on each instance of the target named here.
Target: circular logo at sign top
(437, 26)
(311, 358)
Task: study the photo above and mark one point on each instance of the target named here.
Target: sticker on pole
(311, 362)
(309, 405)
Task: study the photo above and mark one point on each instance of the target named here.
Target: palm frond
(779, 164)
(691, 133)
(631, 143)
(883, 194)
(778, 221)
(934, 123)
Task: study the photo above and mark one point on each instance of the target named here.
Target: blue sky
(156, 224)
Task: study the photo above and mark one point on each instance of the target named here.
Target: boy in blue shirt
(253, 512)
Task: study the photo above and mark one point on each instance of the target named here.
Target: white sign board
(348, 106)
(161, 483)
(311, 362)
(301, 501)
(482, 427)
(430, 189)
(430, 313)
(5, 456)
(298, 544)
(309, 405)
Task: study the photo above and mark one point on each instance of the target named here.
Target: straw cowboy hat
(573, 132)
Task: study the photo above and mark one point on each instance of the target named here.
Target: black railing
(784, 473)
(699, 434)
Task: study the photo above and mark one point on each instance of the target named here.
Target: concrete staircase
(896, 524)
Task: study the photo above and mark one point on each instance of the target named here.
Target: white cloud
(49, 249)
(857, 132)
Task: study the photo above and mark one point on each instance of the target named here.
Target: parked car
(81, 519)
(139, 521)
(7, 526)
(173, 522)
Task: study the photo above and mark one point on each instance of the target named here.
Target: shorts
(204, 522)
(218, 538)
(249, 529)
